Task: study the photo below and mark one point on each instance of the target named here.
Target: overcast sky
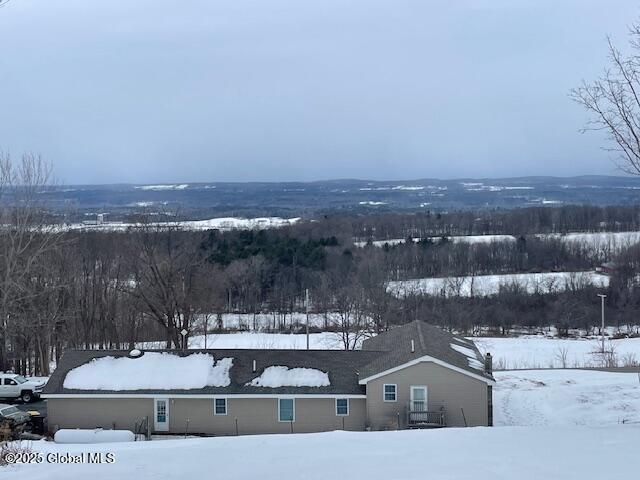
(204, 90)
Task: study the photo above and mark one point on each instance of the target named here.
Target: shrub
(13, 448)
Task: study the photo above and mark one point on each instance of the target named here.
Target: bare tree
(614, 101)
(168, 278)
(26, 241)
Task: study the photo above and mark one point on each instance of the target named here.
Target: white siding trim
(424, 359)
(195, 396)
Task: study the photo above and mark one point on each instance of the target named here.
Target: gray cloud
(151, 91)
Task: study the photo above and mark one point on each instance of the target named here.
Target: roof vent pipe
(413, 346)
(254, 366)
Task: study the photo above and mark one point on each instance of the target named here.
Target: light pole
(306, 305)
(602, 297)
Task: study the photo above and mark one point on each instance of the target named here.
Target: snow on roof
(278, 376)
(472, 357)
(151, 371)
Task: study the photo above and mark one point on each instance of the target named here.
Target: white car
(16, 386)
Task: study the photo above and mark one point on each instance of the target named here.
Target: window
(286, 410)
(390, 392)
(8, 381)
(418, 398)
(342, 407)
(161, 411)
(219, 406)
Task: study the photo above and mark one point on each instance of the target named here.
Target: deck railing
(418, 419)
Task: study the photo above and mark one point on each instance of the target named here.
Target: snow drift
(151, 371)
(274, 377)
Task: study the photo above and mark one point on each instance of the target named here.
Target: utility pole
(306, 304)
(602, 297)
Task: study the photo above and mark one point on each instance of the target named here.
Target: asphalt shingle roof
(342, 367)
(427, 340)
(345, 368)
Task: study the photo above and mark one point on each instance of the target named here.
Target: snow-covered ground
(485, 285)
(566, 397)
(607, 242)
(260, 321)
(226, 223)
(317, 341)
(159, 188)
(455, 239)
(544, 352)
(523, 453)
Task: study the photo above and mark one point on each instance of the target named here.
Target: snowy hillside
(543, 352)
(523, 453)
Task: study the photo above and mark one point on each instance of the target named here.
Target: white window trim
(384, 392)
(294, 410)
(348, 408)
(226, 406)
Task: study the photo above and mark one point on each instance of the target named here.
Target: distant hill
(291, 199)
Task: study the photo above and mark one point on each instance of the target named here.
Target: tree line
(111, 289)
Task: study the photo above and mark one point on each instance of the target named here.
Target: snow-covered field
(523, 453)
(544, 352)
(472, 239)
(485, 285)
(226, 223)
(261, 321)
(566, 397)
(317, 341)
(608, 242)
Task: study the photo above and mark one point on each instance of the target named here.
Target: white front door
(418, 398)
(161, 415)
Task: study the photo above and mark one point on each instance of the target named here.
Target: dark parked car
(12, 415)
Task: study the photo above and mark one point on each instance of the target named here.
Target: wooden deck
(423, 419)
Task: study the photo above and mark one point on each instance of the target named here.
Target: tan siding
(121, 413)
(445, 388)
(255, 415)
(261, 416)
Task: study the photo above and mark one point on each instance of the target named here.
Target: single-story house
(412, 376)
